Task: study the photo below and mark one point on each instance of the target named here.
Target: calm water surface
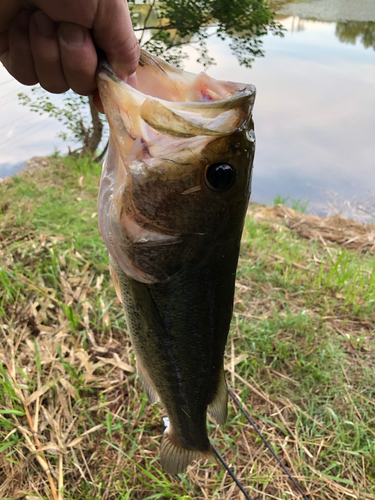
(314, 114)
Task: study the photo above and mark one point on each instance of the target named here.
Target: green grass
(301, 345)
(297, 205)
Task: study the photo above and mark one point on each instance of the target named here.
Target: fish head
(176, 182)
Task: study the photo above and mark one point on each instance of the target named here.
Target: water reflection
(314, 114)
(297, 24)
(314, 117)
(347, 32)
(351, 31)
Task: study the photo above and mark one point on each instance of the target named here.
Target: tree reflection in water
(350, 31)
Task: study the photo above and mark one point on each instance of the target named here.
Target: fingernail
(73, 34)
(43, 24)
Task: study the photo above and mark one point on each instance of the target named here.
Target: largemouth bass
(173, 197)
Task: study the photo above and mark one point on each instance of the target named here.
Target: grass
(74, 421)
(297, 205)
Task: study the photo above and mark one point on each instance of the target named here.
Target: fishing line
(267, 444)
(231, 473)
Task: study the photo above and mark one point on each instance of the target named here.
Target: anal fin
(174, 458)
(219, 407)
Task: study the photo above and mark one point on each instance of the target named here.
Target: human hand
(51, 42)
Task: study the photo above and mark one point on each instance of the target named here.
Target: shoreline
(360, 212)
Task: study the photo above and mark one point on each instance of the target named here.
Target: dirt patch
(36, 163)
(326, 229)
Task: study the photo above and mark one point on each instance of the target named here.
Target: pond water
(314, 115)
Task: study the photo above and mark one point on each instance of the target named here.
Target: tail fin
(175, 458)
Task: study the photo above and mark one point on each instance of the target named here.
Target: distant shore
(329, 10)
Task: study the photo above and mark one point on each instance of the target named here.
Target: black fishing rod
(304, 496)
(230, 472)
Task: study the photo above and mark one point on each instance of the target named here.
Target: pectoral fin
(115, 280)
(147, 384)
(219, 406)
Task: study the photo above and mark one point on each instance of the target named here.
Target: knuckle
(130, 51)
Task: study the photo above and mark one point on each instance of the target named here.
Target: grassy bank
(73, 416)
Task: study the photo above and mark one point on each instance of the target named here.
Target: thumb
(113, 33)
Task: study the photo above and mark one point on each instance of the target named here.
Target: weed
(297, 205)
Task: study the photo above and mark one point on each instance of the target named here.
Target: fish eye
(220, 176)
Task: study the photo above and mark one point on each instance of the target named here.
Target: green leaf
(12, 412)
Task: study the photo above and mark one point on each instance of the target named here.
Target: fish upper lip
(103, 65)
(248, 91)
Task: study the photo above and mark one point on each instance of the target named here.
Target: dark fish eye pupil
(220, 176)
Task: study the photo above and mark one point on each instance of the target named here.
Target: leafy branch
(85, 128)
(166, 28)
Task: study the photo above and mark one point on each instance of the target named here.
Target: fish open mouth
(161, 127)
(172, 103)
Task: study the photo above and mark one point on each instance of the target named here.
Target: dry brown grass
(73, 414)
(334, 229)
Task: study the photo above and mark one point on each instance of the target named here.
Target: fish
(172, 201)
